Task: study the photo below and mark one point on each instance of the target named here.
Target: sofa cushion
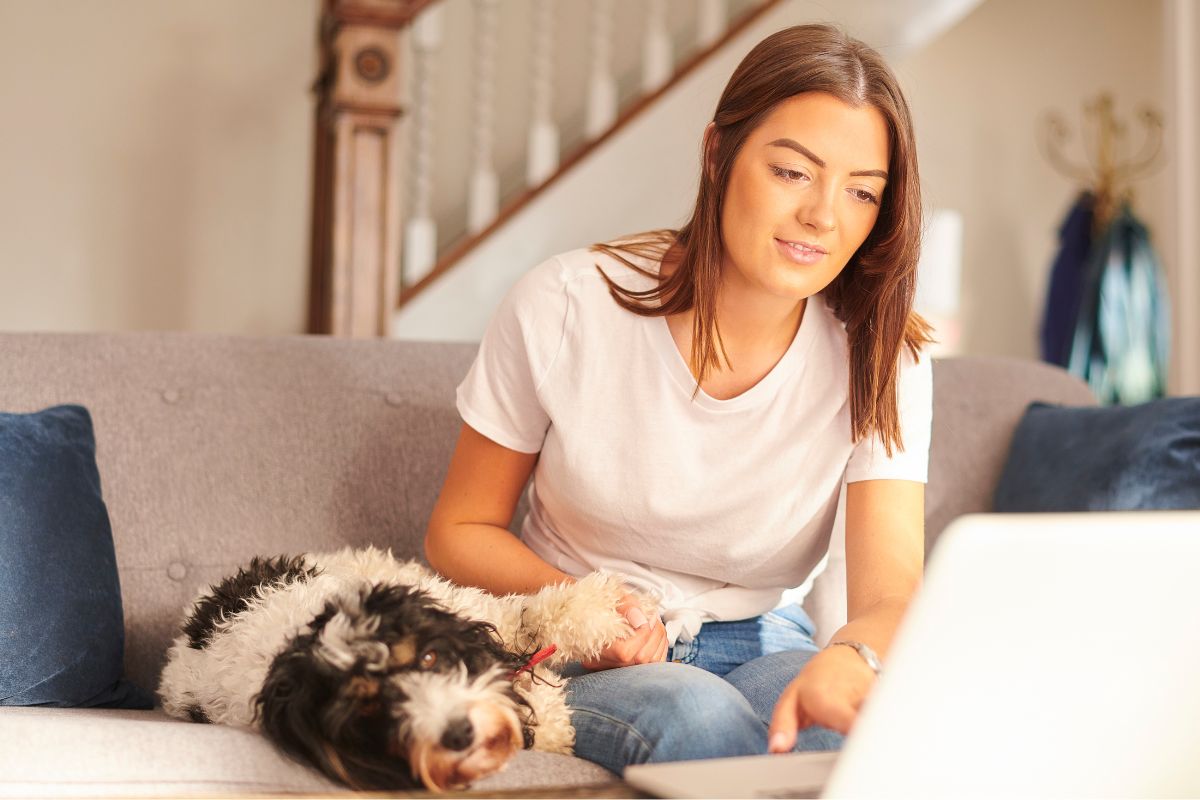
(54, 752)
(1063, 458)
(977, 403)
(62, 631)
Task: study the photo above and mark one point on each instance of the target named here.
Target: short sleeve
(870, 461)
(499, 396)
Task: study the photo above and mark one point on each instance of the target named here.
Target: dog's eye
(428, 659)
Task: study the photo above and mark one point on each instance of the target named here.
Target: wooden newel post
(355, 249)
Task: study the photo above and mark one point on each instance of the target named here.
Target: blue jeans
(713, 697)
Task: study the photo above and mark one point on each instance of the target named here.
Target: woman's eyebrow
(811, 156)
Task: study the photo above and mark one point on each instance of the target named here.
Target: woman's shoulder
(577, 278)
(582, 263)
(572, 279)
(585, 264)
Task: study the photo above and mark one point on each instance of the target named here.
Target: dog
(381, 674)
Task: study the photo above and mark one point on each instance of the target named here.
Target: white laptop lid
(1045, 655)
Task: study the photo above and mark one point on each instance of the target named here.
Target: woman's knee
(763, 680)
(660, 712)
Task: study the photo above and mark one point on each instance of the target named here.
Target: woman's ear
(709, 146)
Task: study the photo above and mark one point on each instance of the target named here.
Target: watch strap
(864, 650)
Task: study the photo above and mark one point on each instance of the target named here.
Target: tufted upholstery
(214, 449)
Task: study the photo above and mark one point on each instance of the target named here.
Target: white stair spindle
(484, 200)
(602, 93)
(656, 56)
(542, 153)
(713, 17)
(420, 232)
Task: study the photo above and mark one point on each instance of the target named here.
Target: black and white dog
(381, 674)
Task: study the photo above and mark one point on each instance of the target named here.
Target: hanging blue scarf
(1121, 342)
(1068, 277)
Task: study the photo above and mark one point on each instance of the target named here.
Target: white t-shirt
(717, 506)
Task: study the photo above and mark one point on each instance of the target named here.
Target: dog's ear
(485, 641)
(288, 709)
(403, 610)
(303, 710)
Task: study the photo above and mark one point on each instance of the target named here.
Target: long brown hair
(873, 295)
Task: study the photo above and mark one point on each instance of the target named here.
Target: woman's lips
(805, 256)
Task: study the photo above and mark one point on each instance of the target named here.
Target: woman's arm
(885, 560)
(467, 539)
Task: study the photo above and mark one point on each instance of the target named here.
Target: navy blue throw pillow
(62, 631)
(1108, 458)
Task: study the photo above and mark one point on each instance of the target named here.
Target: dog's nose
(458, 735)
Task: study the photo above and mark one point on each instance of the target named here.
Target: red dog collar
(535, 659)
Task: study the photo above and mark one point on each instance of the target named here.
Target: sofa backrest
(213, 449)
(977, 403)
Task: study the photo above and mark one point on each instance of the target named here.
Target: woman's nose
(817, 211)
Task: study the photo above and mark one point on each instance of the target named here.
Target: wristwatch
(863, 650)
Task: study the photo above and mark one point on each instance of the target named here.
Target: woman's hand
(829, 691)
(647, 644)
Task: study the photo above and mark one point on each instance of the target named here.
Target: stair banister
(354, 246)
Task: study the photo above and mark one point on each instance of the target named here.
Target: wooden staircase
(371, 253)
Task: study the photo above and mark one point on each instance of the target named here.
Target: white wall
(978, 95)
(154, 172)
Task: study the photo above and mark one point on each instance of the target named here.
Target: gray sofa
(213, 449)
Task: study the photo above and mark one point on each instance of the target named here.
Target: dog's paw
(580, 618)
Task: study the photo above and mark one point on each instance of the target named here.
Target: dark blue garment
(62, 632)
(1067, 280)
(1105, 458)
(1122, 338)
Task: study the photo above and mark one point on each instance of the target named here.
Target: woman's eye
(427, 660)
(865, 196)
(787, 174)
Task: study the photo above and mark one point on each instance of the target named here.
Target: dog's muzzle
(455, 728)
(470, 747)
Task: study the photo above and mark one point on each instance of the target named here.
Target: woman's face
(803, 194)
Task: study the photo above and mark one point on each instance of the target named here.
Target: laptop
(1044, 655)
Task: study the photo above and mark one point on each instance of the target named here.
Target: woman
(693, 401)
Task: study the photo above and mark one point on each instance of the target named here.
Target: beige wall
(154, 164)
(978, 95)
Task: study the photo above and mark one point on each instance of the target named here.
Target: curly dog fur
(382, 674)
